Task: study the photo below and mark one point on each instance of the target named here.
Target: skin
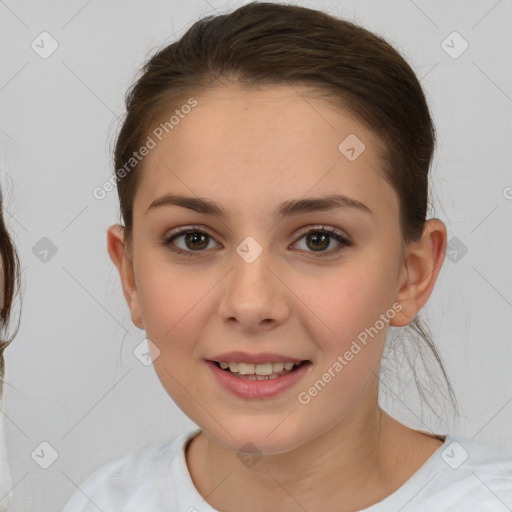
(248, 152)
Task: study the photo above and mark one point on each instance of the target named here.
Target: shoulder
(469, 474)
(470, 456)
(117, 483)
(461, 475)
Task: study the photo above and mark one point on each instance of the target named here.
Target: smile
(262, 371)
(258, 381)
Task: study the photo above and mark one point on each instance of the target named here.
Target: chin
(259, 436)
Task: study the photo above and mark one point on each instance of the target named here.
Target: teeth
(264, 369)
(261, 371)
(278, 367)
(246, 368)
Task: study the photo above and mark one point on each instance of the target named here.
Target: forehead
(261, 147)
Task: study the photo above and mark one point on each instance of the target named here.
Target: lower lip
(258, 388)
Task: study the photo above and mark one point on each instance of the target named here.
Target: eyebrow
(285, 209)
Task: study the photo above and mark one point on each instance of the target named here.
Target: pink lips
(257, 389)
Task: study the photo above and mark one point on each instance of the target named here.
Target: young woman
(9, 283)
(272, 172)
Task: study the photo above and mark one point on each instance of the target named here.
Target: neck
(352, 464)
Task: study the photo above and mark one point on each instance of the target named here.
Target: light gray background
(72, 379)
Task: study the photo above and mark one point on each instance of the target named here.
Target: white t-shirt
(5, 473)
(461, 476)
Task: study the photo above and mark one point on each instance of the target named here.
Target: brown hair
(9, 277)
(263, 44)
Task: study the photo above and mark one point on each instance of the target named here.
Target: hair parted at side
(264, 44)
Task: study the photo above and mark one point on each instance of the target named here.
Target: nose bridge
(253, 293)
(250, 280)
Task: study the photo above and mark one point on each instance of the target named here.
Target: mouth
(261, 371)
(259, 380)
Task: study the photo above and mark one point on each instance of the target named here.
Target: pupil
(323, 237)
(192, 236)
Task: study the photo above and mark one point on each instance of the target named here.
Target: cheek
(175, 306)
(351, 300)
(169, 296)
(171, 303)
(357, 311)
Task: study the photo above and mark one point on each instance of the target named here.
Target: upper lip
(247, 357)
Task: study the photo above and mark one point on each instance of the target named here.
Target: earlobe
(135, 310)
(422, 264)
(118, 253)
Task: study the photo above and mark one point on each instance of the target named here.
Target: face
(256, 287)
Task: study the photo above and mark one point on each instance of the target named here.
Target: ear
(422, 263)
(122, 259)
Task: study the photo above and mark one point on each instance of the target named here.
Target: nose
(254, 297)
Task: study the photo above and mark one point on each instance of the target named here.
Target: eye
(321, 238)
(195, 240)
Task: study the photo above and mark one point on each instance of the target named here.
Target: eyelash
(191, 229)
